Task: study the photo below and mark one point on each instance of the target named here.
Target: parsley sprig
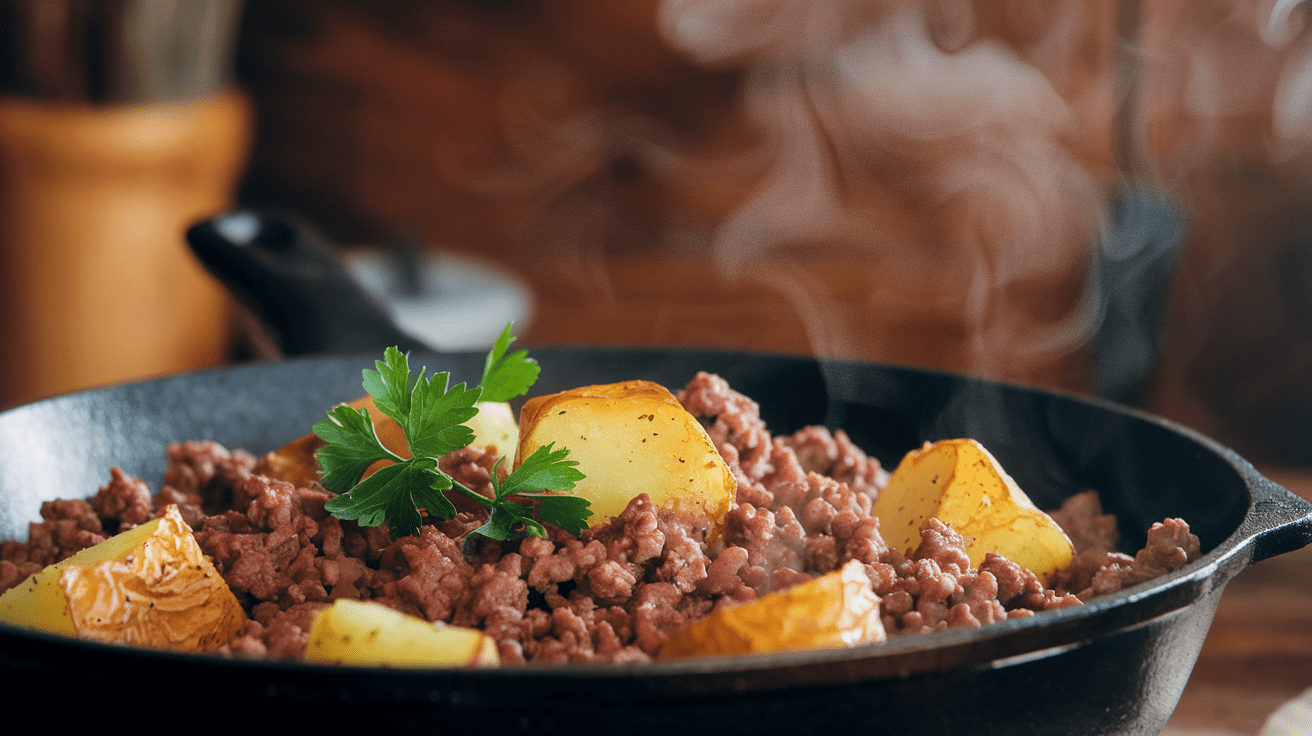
(432, 416)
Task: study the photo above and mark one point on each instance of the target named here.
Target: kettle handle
(286, 272)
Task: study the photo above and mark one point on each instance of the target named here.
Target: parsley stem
(457, 485)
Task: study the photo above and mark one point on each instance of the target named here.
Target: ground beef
(67, 526)
(206, 473)
(122, 504)
(1169, 547)
(617, 591)
(274, 633)
(834, 455)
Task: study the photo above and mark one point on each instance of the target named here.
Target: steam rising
(942, 174)
(1292, 108)
(925, 181)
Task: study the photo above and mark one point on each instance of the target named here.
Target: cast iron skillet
(1117, 665)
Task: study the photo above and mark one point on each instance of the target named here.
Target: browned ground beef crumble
(616, 592)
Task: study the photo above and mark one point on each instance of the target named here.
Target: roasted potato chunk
(39, 602)
(366, 633)
(631, 438)
(833, 611)
(150, 586)
(962, 485)
(495, 425)
(293, 462)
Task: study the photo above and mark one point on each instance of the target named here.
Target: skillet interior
(1054, 445)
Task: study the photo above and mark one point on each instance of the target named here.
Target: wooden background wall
(382, 118)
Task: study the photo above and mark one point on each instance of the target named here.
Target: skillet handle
(1278, 520)
(288, 275)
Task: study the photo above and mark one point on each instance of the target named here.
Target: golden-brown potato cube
(39, 603)
(495, 425)
(962, 485)
(366, 633)
(150, 586)
(833, 611)
(631, 438)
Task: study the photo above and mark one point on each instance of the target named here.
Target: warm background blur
(1012, 188)
(1103, 195)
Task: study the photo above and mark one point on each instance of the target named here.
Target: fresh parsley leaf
(545, 468)
(506, 517)
(432, 416)
(395, 494)
(435, 425)
(567, 512)
(352, 447)
(507, 376)
(390, 385)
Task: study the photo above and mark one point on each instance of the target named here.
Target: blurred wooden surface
(1258, 653)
